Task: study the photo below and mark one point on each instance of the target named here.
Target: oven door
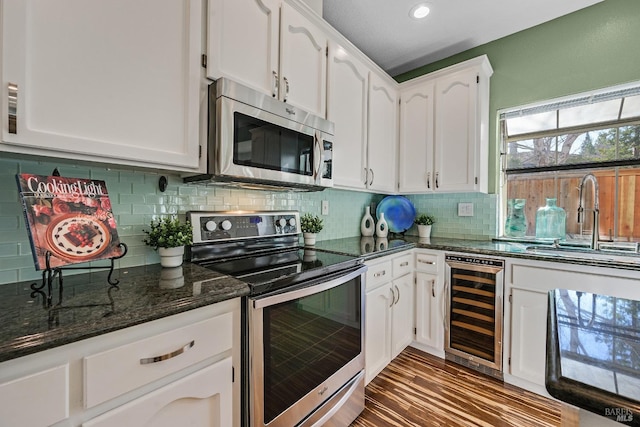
(255, 144)
(305, 346)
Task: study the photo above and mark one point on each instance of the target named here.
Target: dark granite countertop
(373, 247)
(593, 353)
(88, 306)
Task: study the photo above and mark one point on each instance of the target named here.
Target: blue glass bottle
(516, 222)
(551, 221)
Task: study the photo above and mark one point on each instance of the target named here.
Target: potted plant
(169, 236)
(311, 225)
(424, 223)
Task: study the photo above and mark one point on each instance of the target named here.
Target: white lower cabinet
(527, 283)
(200, 399)
(389, 313)
(429, 333)
(144, 375)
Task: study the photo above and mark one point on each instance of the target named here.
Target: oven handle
(300, 293)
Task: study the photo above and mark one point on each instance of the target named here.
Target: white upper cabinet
(114, 81)
(347, 108)
(445, 122)
(416, 138)
(382, 135)
(243, 42)
(270, 46)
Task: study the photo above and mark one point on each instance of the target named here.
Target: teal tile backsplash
(136, 200)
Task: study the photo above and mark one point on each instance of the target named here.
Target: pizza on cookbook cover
(70, 218)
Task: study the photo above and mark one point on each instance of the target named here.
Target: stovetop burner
(261, 249)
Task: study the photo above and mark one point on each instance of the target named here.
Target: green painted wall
(589, 49)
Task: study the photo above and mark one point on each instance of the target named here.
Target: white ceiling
(383, 30)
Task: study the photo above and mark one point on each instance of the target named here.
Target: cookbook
(70, 218)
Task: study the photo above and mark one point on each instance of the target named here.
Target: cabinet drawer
(427, 262)
(36, 400)
(125, 368)
(378, 274)
(402, 265)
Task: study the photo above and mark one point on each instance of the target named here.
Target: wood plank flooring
(420, 390)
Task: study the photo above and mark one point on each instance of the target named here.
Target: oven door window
(264, 145)
(307, 340)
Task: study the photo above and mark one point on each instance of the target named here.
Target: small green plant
(424, 219)
(168, 233)
(310, 223)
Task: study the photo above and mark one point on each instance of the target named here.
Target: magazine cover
(69, 217)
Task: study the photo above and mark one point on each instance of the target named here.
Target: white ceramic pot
(309, 239)
(171, 257)
(424, 231)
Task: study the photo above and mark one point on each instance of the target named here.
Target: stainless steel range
(302, 321)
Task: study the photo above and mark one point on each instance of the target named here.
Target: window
(548, 148)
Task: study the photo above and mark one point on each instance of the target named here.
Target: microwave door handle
(317, 157)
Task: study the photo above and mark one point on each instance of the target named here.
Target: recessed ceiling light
(419, 11)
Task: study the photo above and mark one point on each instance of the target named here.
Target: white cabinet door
(113, 80)
(243, 42)
(303, 62)
(455, 125)
(529, 334)
(201, 399)
(429, 300)
(347, 109)
(382, 134)
(378, 330)
(403, 319)
(415, 173)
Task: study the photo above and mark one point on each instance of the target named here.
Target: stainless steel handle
(393, 297)
(398, 291)
(433, 288)
(276, 85)
(286, 89)
(445, 305)
(380, 273)
(437, 183)
(261, 302)
(317, 158)
(429, 180)
(421, 261)
(13, 107)
(366, 176)
(372, 176)
(178, 352)
(404, 264)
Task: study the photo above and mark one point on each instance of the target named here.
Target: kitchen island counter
(87, 306)
(593, 342)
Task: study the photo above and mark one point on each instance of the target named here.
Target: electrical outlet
(325, 207)
(465, 209)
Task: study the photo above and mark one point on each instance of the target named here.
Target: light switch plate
(465, 209)
(325, 207)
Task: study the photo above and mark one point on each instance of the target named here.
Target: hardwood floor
(417, 389)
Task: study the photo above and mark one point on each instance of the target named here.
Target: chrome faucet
(596, 208)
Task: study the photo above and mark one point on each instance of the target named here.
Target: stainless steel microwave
(255, 140)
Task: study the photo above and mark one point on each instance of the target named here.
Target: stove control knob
(226, 225)
(210, 225)
(282, 222)
(292, 222)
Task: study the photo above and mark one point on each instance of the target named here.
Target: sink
(619, 256)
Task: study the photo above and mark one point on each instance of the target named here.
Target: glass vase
(516, 222)
(551, 221)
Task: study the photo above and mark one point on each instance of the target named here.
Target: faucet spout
(596, 207)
